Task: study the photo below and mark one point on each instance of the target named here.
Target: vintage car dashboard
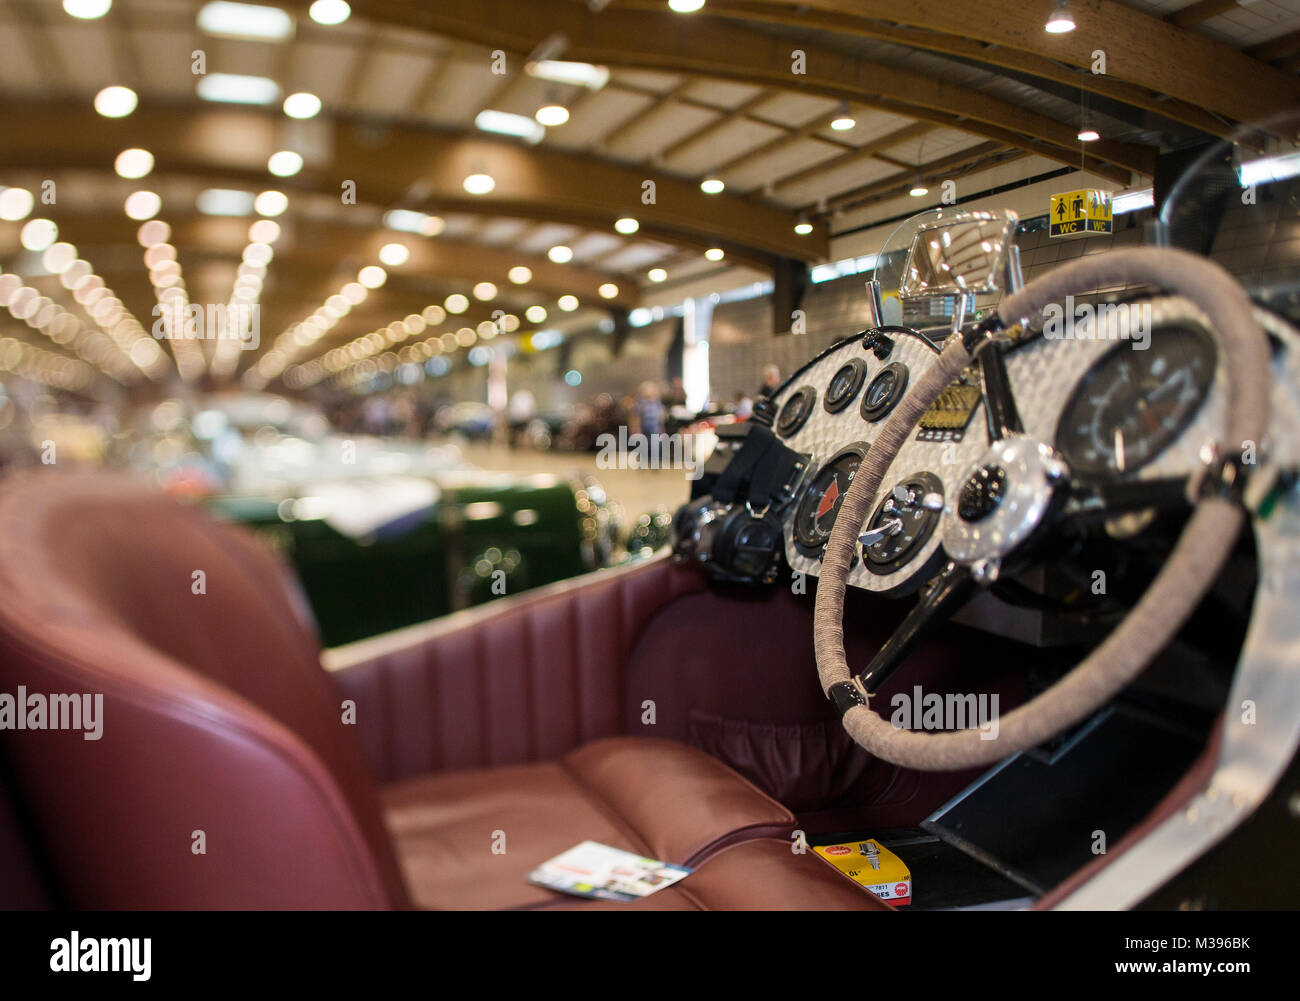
(1112, 410)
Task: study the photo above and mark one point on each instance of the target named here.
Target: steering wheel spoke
(948, 592)
(1091, 501)
(1001, 415)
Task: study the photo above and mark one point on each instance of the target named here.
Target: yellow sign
(871, 864)
(1079, 213)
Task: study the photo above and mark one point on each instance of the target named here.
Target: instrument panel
(1110, 409)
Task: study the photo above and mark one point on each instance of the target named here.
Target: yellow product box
(872, 865)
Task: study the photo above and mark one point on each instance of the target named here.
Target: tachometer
(1131, 405)
(815, 516)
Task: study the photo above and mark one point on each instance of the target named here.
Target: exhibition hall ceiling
(559, 157)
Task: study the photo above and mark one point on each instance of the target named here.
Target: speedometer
(822, 498)
(1132, 404)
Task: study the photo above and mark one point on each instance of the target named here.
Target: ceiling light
(535, 314)
(843, 121)
(456, 303)
(329, 12)
(479, 184)
(1267, 169)
(433, 314)
(116, 102)
(506, 124)
(552, 115)
(485, 291)
(657, 274)
(302, 105)
(919, 190)
(133, 163)
(372, 276)
(58, 257)
(286, 163)
(712, 186)
(142, 205)
(271, 203)
(568, 303)
(15, 204)
(153, 233)
(1132, 201)
(803, 227)
(1061, 20)
(560, 254)
(608, 291)
(224, 201)
(627, 226)
(87, 10)
(575, 74)
(685, 6)
(408, 221)
(237, 88)
(264, 231)
(1087, 134)
(520, 275)
(394, 254)
(245, 20)
(714, 254)
(38, 234)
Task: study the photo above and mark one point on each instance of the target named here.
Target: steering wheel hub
(1002, 499)
(982, 493)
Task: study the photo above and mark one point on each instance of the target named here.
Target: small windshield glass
(965, 250)
(1239, 202)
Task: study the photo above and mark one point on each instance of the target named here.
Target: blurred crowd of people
(655, 407)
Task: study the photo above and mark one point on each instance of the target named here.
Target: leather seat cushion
(761, 875)
(653, 797)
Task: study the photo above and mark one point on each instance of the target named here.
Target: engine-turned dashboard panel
(1115, 402)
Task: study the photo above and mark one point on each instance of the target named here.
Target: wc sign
(1081, 213)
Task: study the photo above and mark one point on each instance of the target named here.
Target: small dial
(884, 392)
(904, 522)
(845, 385)
(821, 501)
(796, 411)
(1131, 405)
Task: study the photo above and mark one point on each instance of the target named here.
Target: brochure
(595, 870)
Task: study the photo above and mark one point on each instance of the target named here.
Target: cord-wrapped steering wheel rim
(1196, 560)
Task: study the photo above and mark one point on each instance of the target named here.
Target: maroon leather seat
(228, 773)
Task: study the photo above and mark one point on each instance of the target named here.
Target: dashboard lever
(882, 531)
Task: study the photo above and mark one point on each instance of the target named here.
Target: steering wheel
(1021, 490)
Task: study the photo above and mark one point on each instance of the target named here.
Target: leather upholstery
(219, 722)
(523, 678)
(216, 715)
(652, 797)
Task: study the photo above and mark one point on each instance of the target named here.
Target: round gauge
(815, 516)
(1131, 405)
(795, 411)
(906, 520)
(884, 392)
(844, 385)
